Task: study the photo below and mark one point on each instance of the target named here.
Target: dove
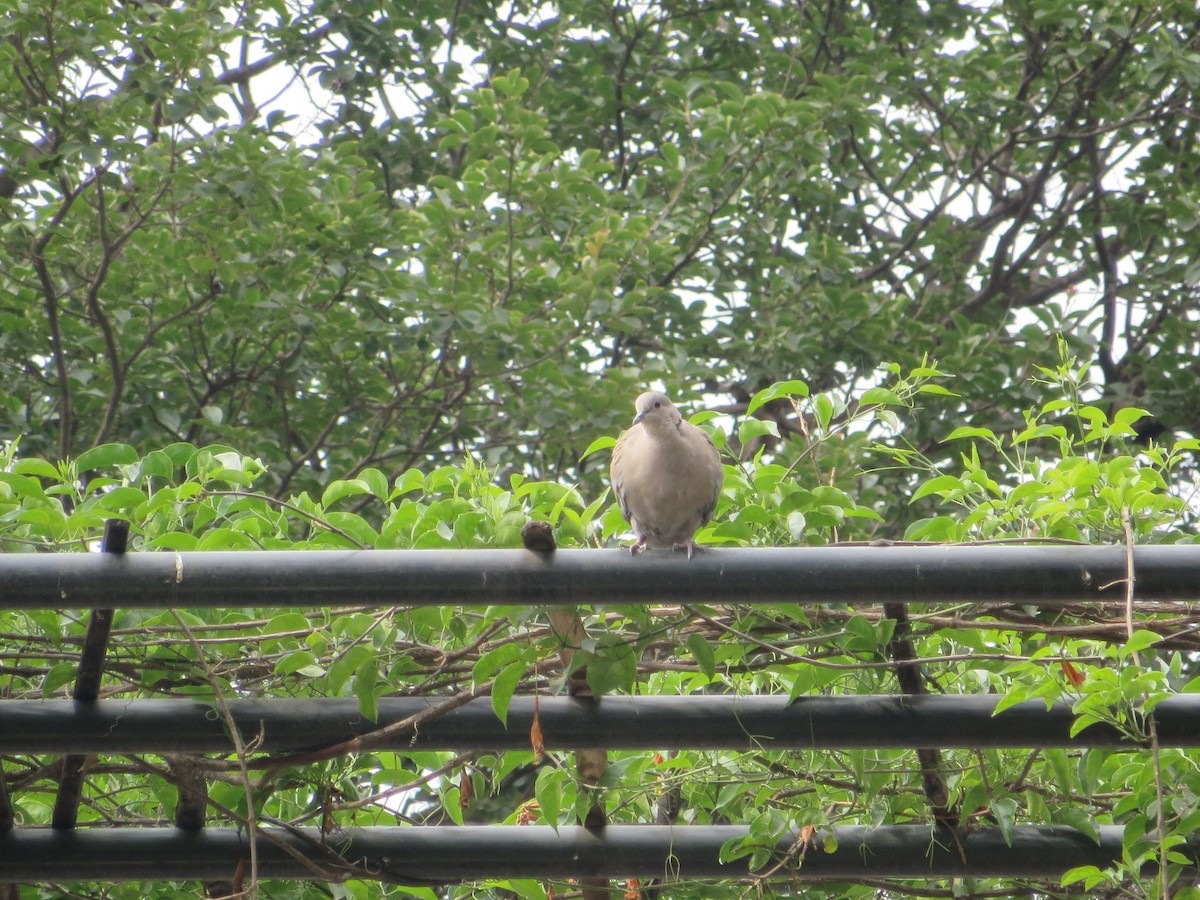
(666, 474)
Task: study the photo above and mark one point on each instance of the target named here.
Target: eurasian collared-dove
(666, 474)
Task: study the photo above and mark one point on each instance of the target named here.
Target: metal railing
(1046, 576)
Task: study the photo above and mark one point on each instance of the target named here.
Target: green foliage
(484, 230)
(414, 313)
(1005, 487)
(1066, 474)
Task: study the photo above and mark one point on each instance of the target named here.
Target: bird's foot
(691, 547)
(635, 549)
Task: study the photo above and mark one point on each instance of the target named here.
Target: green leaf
(38, 467)
(1089, 875)
(547, 790)
(823, 409)
(504, 686)
(926, 372)
(1079, 819)
(613, 666)
(493, 661)
(59, 675)
(749, 429)
(1018, 693)
(970, 431)
(366, 680)
(180, 453)
(789, 389)
(1005, 811)
(296, 662)
(106, 455)
(452, 804)
(1064, 773)
(174, 540)
(49, 623)
(1141, 640)
(1081, 722)
(881, 396)
(670, 153)
(600, 443)
(344, 488)
(797, 525)
(121, 498)
(347, 667)
(937, 390)
(156, 463)
(736, 848)
(376, 482)
(943, 483)
(411, 480)
(702, 652)
(22, 486)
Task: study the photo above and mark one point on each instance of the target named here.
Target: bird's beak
(638, 417)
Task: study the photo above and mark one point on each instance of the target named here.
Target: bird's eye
(657, 405)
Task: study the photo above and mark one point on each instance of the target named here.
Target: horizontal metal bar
(616, 723)
(1046, 576)
(469, 853)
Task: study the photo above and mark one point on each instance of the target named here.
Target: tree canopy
(383, 275)
(366, 235)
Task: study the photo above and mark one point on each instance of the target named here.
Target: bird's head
(656, 411)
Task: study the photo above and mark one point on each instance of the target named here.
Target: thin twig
(290, 507)
(1160, 821)
(240, 747)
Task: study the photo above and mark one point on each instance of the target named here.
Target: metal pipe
(449, 854)
(704, 722)
(1040, 575)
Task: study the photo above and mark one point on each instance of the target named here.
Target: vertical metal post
(87, 685)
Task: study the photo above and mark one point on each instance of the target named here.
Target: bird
(666, 474)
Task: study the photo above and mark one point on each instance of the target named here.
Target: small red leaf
(807, 835)
(527, 812)
(1073, 674)
(535, 732)
(466, 790)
